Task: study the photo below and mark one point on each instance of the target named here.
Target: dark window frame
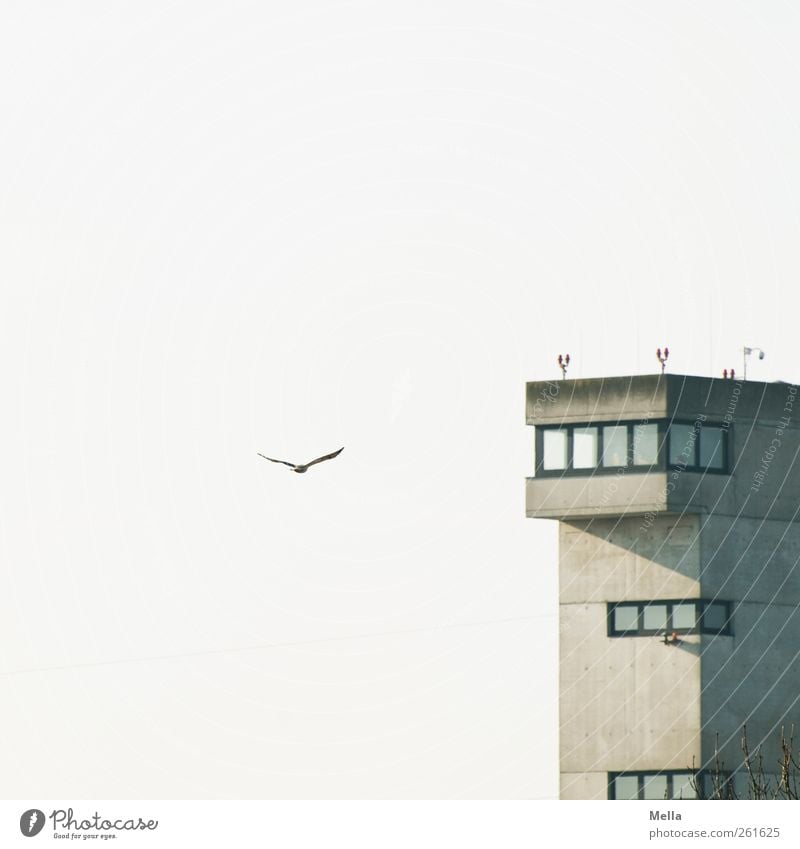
(669, 774)
(662, 462)
(696, 466)
(699, 628)
(571, 471)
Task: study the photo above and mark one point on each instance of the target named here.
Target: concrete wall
(752, 560)
(632, 703)
(626, 702)
(753, 677)
(656, 396)
(578, 497)
(583, 785)
(595, 399)
(619, 560)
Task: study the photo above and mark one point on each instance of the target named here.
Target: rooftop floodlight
(747, 351)
(563, 362)
(662, 358)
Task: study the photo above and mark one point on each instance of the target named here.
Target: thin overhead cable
(263, 646)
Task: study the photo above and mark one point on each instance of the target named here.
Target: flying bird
(301, 468)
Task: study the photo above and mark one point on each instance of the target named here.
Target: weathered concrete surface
(751, 560)
(584, 785)
(615, 560)
(626, 703)
(629, 494)
(596, 399)
(752, 679)
(604, 683)
(653, 396)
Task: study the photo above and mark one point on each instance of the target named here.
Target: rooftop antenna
(662, 358)
(563, 362)
(747, 352)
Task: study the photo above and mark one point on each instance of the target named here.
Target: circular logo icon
(31, 822)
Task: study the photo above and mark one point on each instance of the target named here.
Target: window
(555, 449)
(698, 447)
(645, 445)
(625, 787)
(653, 784)
(656, 786)
(681, 445)
(654, 617)
(686, 616)
(582, 449)
(589, 448)
(625, 618)
(683, 786)
(615, 445)
(712, 447)
(716, 617)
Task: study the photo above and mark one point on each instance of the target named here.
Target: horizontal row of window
(584, 448)
(654, 784)
(684, 616)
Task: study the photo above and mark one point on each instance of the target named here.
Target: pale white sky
(239, 227)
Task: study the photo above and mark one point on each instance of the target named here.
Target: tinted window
(655, 617)
(626, 787)
(682, 444)
(715, 617)
(645, 445)
(655, 787)
(688, 616)
(712, 452)
(684, 616)
(670, 784)
(615, 445)
(626, 618)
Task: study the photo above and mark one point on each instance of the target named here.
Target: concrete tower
(678, 502)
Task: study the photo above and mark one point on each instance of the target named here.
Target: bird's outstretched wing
(291, 465)
(326, 457)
